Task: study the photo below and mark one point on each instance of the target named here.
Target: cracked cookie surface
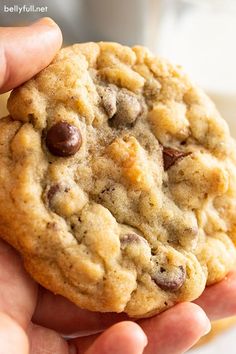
(118, 181)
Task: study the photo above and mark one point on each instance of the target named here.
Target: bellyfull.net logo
(24, 8)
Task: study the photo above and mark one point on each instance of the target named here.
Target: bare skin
(32, 320)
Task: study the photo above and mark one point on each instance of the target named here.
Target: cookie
(3, 104)
(118, 181)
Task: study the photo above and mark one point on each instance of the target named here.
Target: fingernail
(72, 349)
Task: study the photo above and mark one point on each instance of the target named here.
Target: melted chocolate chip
(63, 139)
(170, 280)
(52, 191)
(170, 156)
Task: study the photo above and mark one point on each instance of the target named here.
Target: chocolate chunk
(52, 191)
(170, 156)
(170, 280)
(63, 139)
(128, 108)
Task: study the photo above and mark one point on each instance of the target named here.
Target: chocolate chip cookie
(118, 181)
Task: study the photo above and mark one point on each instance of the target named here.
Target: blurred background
(198, 34)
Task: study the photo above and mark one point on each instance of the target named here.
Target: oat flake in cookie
(118, 181)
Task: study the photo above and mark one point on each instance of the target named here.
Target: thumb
(24, 51)
(12, 337)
